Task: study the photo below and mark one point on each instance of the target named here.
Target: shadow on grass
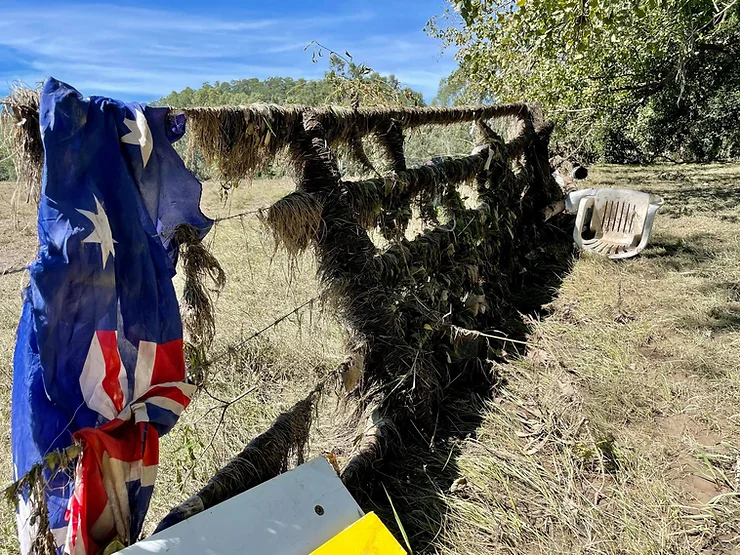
(706, 198)
(681, 254)
(418, 479)
(721, 319)
(730, 289)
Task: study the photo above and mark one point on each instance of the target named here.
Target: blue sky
(145, 50)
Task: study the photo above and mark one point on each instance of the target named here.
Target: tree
(452, 90)
(626, 80)
(357, 84)
(343, 83)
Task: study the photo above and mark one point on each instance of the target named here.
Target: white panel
(145, 357)
(91, 381)
(275, 518)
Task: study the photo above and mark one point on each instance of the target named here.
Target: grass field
(618, 432)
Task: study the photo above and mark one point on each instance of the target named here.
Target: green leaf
(398, 522)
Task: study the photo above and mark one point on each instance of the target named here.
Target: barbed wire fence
(409, 307)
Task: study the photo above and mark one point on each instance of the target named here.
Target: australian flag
(99, 356)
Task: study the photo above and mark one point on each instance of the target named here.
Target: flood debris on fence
(420, 313)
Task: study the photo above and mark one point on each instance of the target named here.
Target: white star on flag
(101, 233)
(139, 135)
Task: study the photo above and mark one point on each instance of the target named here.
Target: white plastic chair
(613, 222)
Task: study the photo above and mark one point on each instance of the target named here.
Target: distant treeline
(344, 84)
(274, 90)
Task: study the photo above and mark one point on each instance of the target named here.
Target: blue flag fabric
(99, 342)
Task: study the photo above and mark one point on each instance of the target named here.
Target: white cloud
(148, 53)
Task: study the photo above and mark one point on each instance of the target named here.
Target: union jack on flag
(99, 356)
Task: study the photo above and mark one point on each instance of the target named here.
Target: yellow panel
(367, 536)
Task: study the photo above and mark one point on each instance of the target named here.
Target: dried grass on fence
(21, 110)
(399, 305)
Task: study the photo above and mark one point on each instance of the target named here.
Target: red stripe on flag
(125, 443)
(150, 457)
(169, 363)
(167, 391)
(109, 346)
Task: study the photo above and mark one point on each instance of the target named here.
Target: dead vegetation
(20, 112)
(399, 304)
(618, 431)
(615, 432)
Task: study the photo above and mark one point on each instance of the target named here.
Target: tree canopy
(344, 82)
(627, 80)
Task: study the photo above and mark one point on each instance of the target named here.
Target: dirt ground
(617, 432)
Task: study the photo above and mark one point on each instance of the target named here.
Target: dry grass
(619, 432)
(17, 247)
(283, 365)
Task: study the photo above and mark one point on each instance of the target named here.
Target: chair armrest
(573, 200)
(584, 204)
